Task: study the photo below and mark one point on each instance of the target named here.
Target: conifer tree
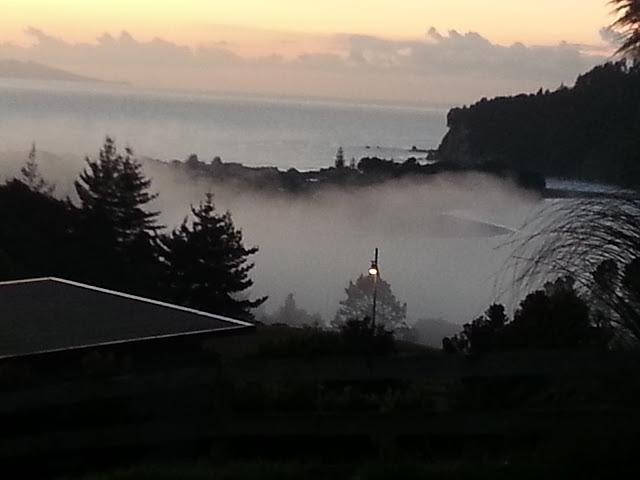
(120, 245)
(114, 193)
(207, 264)
(31, 176)
(339, 162)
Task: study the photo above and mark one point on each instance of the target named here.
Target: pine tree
(207, 264)
(114, 192)
(31, 176)
(120, 246)
(339, 162)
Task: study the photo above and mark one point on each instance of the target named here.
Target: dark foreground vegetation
(262, 406)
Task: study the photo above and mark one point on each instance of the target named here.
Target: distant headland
(586, 132)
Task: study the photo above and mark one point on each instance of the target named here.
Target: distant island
(590, 131)
(17, 69)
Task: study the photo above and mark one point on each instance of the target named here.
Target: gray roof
(51, 314)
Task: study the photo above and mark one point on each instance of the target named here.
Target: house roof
(51, 314)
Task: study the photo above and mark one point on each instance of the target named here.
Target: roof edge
(122, 342)
(25, 280)
(238, 323)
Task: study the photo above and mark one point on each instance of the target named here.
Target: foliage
(38, 235)
(285, 341)
(31, 176)
(119, 234)
(390, 313)
(290, 314)
(588, 131)
(481, 335)
(206, 264)
(551, 318)
(339, 162)
(114, 192)
(596, 242)
(627, 26)
(362, 336)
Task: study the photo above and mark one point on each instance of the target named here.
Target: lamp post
(375, 272)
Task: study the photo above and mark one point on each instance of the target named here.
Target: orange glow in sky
(195, 22)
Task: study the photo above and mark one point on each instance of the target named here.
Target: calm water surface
(74, 118)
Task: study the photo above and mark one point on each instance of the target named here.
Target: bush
(362, 336)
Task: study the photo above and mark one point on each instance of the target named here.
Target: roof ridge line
(26, 280)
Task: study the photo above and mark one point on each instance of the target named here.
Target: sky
(410, 50)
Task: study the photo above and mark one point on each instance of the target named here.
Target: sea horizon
(73, 118)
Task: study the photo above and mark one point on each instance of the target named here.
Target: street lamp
(375, 272)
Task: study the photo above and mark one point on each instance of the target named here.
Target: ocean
(73, 118)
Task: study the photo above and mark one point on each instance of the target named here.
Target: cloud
(470, 54)
(610, 36)
(122, 49)
(467, 62)
(216, 55)
(320, 61)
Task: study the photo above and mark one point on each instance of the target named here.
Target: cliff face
(589, 131)
(454, 147)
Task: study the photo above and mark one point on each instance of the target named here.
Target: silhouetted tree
(390, 313)
(597, 243)
(206, 264)
(551, 318)
(627, 25)
(38, 234)
(554, 317)
(339, 162)
(120, 239)
(114, 192)
(482, 335)
(31, 176)
(290, 314)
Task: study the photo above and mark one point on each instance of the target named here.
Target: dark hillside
(589, 131)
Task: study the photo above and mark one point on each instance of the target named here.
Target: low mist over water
(442, 241)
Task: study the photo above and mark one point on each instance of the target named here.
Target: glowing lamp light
(375, 273)
(373, 269)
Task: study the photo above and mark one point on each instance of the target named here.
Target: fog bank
(441, 239)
